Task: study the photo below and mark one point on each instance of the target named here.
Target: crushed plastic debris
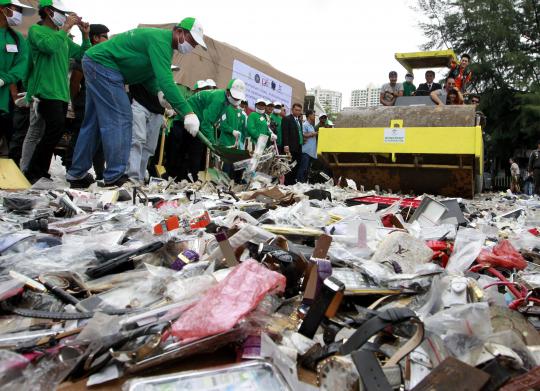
(316, 286)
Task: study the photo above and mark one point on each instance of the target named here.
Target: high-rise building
(330, 100)
(367, 97)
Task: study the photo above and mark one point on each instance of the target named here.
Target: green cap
(57, 4)
(196, 30)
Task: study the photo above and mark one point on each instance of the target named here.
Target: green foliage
(503, 38)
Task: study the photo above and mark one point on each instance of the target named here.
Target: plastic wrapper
(226, 303)
(46, 371)
(184, 289)
(99, 327)
(503, 255)
(403, 249)
(511, 340)
(469, 319)
(467, 247)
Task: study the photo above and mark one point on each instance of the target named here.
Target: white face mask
(232, 101)
(260, 111)
(409, 79)
(277, 111)
(185, 47)
(15, 19)
(59, 19)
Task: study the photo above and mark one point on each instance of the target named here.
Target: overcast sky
(339, 45)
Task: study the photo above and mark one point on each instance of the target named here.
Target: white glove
(2, 83)
(191, 123)
(170, 113)
(273, 136)
(21, 100)
(162, 101)
(35, 105)
(236, 133)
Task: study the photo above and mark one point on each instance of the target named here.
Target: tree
(503, 36)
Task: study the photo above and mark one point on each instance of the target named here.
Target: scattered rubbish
(300, 287)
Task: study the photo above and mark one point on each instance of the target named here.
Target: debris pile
(311, 286)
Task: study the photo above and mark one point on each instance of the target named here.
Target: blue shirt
(310, 144)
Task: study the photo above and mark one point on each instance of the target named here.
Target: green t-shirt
(408, 89)
(233, 119)
(13, 63)
(50, 53)
(256, 126)
(209, 106)
(277, 119)
(143, 56)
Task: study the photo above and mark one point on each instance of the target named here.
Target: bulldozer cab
(413, 147)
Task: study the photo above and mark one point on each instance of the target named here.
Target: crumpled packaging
(229, 301)
(404, 249)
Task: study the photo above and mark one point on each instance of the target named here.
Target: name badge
(10, 48)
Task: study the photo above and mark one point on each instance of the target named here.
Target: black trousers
(536, 176)
(53, 113)
(290, 178)
(21, 122)
(74, 126)
(184, 153)
(6, 130)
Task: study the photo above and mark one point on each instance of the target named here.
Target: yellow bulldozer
(412, 147)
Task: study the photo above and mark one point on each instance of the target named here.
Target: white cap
(323, 115)
(261, 100)
(175, 68)
(237, 89)
(195, 29)
(277, 104)
(211, 83)
(57, 4)
(26, 9)
(200, 84)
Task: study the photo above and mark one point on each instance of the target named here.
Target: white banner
(260, 85)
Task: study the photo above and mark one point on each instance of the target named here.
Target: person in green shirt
(51, 48)
(209, 106)
(14, 58)
(408, 87)
(275, 121)
(139, 56)
(257, 124)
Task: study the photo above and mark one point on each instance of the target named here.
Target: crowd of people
(452, 92)
(113, 96)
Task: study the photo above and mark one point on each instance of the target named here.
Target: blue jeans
(107, 119)
(146, 127)
(303, 168)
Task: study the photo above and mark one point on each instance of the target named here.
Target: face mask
(185, 47)
(232, 101)
(409, 79)
(260, 111)
(59, 19)
(15, 19)
(277, 111)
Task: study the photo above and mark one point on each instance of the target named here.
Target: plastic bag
(226, 303)
(468, 319)
(503, 255)
(468, 245)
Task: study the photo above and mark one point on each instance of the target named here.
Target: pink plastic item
(226, 303)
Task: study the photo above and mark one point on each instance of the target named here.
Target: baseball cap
(237, 88)
(211, 83)
(261, 100)
(56, 4)
(195, 29)
(26, 9)
(322, 115)
(276, 104)
(200, 84)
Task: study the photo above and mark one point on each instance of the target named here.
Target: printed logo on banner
(260, 85)
(394, 135)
